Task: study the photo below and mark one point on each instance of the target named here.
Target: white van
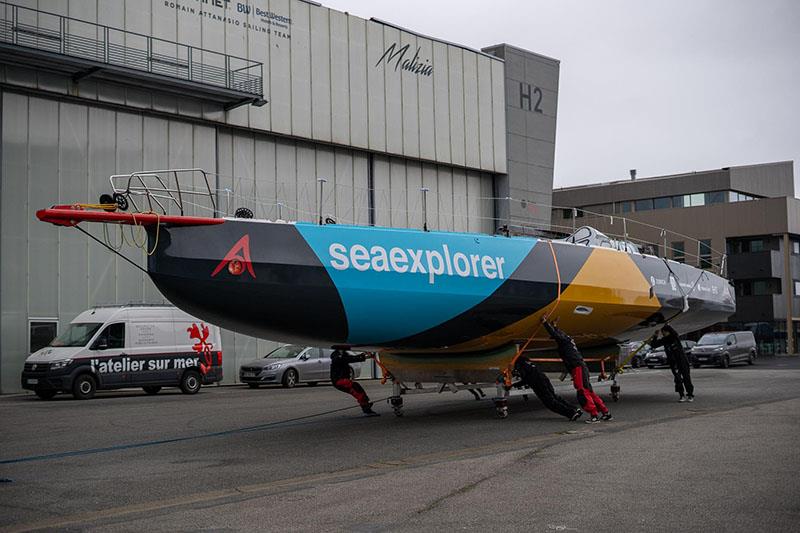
(148, 346)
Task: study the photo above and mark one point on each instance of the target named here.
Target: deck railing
(105, 45)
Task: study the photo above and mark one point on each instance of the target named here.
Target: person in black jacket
(577, 368)
(677, 360)
(340, 377)
(538, 381)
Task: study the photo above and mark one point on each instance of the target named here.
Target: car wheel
(190, 382)
(651, 367)
(312, 383)
(289, 378)
(751, 359)
(726, 361)
(152, 389)
(253, 385)
(46, 394)
(84, 387)
(635, 362)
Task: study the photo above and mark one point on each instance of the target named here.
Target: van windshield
(285, 352)
(713, 339)
(77, 334)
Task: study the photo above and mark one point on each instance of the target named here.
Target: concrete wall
(323, 76)
(771, 180)
(531, 108)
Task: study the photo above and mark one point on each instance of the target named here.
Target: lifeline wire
(109, 247)
(118, 447)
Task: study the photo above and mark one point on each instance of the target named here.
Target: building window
(745, 246)
(796, 288)
(716, 197)
(567, 213)
(695, 200)
(41, 332)
(678, 201)
(644, 205)
(705, 253)
(665, 202)
(678, 251)
(624, 207)
(796, 247)
(759, 287)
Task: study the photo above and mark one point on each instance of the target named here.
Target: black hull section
(290, 294)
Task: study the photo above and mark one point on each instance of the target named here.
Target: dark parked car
(290, 365)
(658, 357)
(725, 349)
(625, 350)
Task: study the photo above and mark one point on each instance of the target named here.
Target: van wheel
(289, 378)
(84, 387)
(190, 382)
(151, 389)
(726, 361)
(751, 359)
(46, 394)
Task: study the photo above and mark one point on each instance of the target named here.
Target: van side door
(732, 348)
(108, 356)
(151, 344)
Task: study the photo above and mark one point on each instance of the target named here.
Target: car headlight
(719, 348)
(55, 365)
(274, 366)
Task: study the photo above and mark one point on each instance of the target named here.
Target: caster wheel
(615, 396)
(502, 412)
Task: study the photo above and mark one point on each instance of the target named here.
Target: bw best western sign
(236, 14)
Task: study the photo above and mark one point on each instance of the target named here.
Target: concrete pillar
(788, 291)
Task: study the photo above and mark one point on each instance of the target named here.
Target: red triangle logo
(237, 259)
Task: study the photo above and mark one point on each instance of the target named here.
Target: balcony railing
(112, 47)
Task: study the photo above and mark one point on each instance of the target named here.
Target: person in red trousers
(340, 377)
(577, 368)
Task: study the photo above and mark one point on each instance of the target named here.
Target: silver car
(290, 365)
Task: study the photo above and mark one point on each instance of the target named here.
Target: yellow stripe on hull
(609, 283)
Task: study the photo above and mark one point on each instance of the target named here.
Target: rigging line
(109, 248)
(507, 371)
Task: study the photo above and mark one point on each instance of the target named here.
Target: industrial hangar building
(744, 220)
(267, 96)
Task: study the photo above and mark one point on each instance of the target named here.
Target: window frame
(43, 320)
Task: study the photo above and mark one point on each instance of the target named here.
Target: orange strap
(507, 371)
(386, 374)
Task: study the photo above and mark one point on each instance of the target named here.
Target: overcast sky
(663, 87)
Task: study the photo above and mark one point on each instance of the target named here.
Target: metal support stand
(396, 400)
(322, 182)
(501, 400)
(424, 191)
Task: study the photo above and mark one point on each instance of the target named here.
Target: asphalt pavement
(231, 458)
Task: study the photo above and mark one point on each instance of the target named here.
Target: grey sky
(662, 87)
